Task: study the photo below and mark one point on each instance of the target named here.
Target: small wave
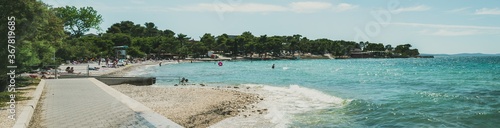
(140, 71)
(294, 99)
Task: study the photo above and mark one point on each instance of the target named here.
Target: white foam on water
(140, 71)
(285, 68)
(283, 102)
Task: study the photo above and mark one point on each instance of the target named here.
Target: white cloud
(223, 7)
(444, 26)
(451, 30)
(412, 9)
(298, 7)
(488, 11)
(307, 7)
(344, 7)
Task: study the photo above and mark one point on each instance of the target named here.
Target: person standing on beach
(160, 64)
(272, 66)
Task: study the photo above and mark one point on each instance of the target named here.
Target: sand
(27, 93)
(195, 106)
(104, 71)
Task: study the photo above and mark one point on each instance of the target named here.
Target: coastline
(191, 106)
(217, 106)
(123, 70)
(197, 106)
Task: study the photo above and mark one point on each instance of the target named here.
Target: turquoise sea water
(430, 92)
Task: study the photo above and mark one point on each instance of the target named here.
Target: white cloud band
(298, 7)
(488, 11)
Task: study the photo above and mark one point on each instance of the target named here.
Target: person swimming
(272, 66)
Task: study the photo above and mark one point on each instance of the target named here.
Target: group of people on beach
(70, 70)
(184, 81)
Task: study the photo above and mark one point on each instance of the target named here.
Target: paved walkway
(83, 103)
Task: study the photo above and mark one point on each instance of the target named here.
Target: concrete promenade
(87, 102)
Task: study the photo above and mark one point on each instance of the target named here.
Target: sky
(433, 27)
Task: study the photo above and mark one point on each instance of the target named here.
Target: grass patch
(5, 97)
(26, 81)
(20, 82)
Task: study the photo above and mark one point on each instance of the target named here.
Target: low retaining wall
(139, 81)
(127, 80)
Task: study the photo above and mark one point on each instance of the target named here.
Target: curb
(23, 121)
(152, 117)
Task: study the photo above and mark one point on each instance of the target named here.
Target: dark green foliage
(404, 50)
(374, 47)
(78, 21)
(38, 33)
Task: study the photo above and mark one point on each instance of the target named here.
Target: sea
(445, 91)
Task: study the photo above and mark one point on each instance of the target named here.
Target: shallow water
(430, 92)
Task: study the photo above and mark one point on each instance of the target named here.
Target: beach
(106, 71)
(196, 106)
(222, 105)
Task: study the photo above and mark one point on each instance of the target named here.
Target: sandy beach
(105, 71)
(195, 106)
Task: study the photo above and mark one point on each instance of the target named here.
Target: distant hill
(461, 54)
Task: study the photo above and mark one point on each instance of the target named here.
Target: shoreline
(192, 106)
(249, 105)
(128, 68)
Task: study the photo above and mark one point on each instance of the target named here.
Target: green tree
(261, 45)
(168, 33)
(389, 47)
(374, 47)
(209, 41)
(304, 45)
(122, 27)
(79, 20)
(246, 43)
(275, 45)
(151, 29)
(404, 50)
(37, 33)
(182, 48)
(295, 40)
(222, 42)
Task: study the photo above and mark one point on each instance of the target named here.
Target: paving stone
(80, 103)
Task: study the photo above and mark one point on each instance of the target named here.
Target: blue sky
(445, 26)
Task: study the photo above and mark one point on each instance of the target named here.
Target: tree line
(147, 39)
